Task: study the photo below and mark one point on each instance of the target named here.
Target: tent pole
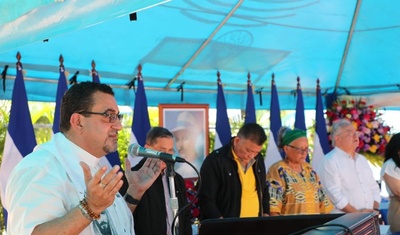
(205, 43)
(346, 49)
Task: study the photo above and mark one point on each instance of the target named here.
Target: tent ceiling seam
(349, 38)
(205, 43)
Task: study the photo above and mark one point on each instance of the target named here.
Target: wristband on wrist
(85, 213)
(129, 199)
(88, 210)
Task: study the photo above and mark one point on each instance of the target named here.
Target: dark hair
(253, 132)
(78, 98)
(281, 133)
(157, 132)
(392, 149)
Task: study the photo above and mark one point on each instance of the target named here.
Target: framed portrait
(189, 125)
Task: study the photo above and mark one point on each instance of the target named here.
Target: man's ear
(336, 138)
(76, 121)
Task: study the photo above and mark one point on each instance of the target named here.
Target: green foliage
(376, 160)
(4, 118)
(211, 141)
(123, 143)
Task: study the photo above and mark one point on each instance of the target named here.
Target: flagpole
(140, 122)
(20, 138)
(321, 142)
(62, 87)
(222, 127)
(250, 106)
(300, 121)
(273, 154)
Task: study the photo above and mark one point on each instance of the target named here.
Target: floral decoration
(372, 132)
(191, 194)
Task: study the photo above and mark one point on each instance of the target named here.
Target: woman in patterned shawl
(294, 187)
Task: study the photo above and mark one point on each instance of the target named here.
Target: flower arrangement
(191, 193)
(372, 132)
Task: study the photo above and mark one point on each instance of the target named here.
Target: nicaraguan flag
(62, 87)
(273, 154)
(300, 120)
(113, 158)
(321, 142)
(20, 137)
(95, 76)
(250, 107)
(140, 121)
(222, 126)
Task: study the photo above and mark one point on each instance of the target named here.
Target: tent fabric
(351, 46)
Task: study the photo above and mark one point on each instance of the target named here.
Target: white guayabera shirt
(49, 182)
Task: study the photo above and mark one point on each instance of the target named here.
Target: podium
(358, 223)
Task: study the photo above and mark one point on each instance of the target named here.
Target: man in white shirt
(61, 187)
(346, 175)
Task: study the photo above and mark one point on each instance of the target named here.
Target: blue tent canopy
(351, 46)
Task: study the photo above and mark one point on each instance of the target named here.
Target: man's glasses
(112, 117)
(299, 150)
(350, 133)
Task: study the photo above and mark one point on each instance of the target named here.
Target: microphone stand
(173, 199)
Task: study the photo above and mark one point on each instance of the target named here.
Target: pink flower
(366, 130)
(375, 124)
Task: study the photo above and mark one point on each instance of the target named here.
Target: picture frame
(189, 125)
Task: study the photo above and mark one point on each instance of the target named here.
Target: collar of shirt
(346, 154)
(245, 168)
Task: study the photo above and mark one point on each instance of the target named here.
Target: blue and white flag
(20, 138)
(300, 121)
(222, 127)
(250, 107)
(273, 154)
(95, 75)
(140, 121)
(62, 87)
(321, 142)
(113, 157)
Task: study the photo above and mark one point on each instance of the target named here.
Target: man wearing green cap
(294, 187)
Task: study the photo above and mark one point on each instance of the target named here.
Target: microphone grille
(134, 149)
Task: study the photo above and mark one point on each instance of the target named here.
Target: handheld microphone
(137, 150)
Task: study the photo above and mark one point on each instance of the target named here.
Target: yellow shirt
(250, 202)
